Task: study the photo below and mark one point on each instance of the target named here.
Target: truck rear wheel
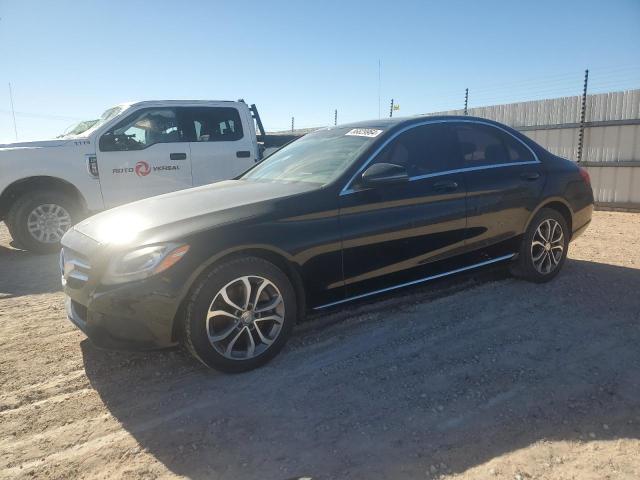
(37, 221)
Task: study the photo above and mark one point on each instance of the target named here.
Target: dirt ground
(477, 376)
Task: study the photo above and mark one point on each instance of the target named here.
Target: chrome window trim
(415, 282)
(346, 190)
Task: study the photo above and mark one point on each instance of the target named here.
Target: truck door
(221, 148)
(145, 154)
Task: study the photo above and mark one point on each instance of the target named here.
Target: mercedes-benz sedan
(341, 214)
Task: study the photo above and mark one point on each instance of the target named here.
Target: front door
(401, 233)
(220, 148)
(142, 156)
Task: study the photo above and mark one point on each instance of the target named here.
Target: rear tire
(231, 331)
(37, 221)
(544, 247)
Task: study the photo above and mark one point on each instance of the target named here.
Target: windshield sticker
(364, 132)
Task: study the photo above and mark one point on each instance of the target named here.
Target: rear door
(504, 181)
(221, 145)
(399, 233)
(145, 154)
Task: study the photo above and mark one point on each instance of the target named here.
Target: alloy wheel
(47, 223)
(547, 246)
(245, 317)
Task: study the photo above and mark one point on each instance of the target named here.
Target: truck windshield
(78, 128)
(318, 157)
(87, 126)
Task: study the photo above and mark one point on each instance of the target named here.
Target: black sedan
(341, 214)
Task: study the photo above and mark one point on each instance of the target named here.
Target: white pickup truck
(135, 150)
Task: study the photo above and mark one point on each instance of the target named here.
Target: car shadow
(401, 384)
(27, 273)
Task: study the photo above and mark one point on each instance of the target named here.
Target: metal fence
(611, 145)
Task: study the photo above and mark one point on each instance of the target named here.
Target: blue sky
(69, 61)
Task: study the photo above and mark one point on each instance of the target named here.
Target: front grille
(75, 268)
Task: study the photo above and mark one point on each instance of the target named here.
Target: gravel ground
(477, 376)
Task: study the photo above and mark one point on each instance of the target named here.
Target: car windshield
(318, 157)
(87, 126)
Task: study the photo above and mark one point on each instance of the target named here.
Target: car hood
(186, 211)
(37, 144)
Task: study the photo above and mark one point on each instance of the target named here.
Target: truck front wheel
(37, 221)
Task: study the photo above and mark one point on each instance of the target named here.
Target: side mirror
(384, 174)
(107, 142)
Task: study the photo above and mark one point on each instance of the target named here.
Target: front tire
(37, 221)
(544, 247)
(240, 315)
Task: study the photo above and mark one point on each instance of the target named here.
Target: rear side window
(213, 124)
(422, 150)
(517, 151)
(481, 145)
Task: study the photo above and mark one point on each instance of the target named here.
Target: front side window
(143, 129)
(319, 157)
(213, 124)
(482, 145)
(421, 150)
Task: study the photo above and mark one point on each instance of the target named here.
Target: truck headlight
(143, 262)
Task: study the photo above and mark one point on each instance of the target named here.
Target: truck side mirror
(107, 142)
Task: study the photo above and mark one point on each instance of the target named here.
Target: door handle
(530, 176)
(445, 186)
(178, 156)
(243, 154)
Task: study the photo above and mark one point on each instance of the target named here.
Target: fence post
(466, 100)
(391, 109)
(335, 117)
(583, 115)
(292, 120)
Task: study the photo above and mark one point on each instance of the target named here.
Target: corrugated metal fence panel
(612, 144)
(562, 142)
(613, 106)
(525, 114)
(616, 185)
(601, 144)
(556, 111)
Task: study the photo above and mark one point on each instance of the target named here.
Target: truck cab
(135, 150)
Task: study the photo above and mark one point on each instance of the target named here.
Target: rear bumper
(581, 220)
(580, 230)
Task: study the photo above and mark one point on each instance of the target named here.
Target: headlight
(143, 262)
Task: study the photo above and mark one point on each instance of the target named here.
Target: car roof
(389, 123)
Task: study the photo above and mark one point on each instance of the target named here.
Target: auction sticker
(364, 132)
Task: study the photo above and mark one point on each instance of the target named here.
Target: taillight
(585, 175)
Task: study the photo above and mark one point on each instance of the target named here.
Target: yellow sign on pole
(396, 107)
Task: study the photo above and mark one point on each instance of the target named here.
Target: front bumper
(131, 316)
(116, 332)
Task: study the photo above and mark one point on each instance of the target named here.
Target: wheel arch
(37, 183)
(279, 258)
(558, 204)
